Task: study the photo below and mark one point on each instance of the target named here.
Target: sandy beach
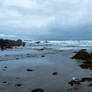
(22, 70)
(45, 45)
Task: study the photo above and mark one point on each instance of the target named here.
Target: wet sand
(31, 72)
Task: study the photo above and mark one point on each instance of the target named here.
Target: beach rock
(73, 82)
(29, 70)
(4, 82)
(86, 79)
(5, 43)
(86, 58)
(41, 49)
(83, 55)
(37, 90)
(5, 67)
(17, 58)
(86, 65)
(43, 56)
(90, 85)
(55, 73)
(18, 85)
(38, 42)
(23, 44)
(19, 42)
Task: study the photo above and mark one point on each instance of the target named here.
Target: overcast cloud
(47, 19)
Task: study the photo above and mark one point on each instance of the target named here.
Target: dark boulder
(43, 56)
(23, 44)
(5, 43)
(20, 43)
(74, 82)
(83, 55)
(18, 85)
(38, 42)
(55, 73)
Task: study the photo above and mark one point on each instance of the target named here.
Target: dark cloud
(48, 19)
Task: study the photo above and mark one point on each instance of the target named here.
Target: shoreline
(24, 69)
(42, 74)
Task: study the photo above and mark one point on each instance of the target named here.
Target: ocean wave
(69, 44)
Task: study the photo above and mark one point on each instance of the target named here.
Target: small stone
(37, 90)
(5, 67)
(55, 73)
(17, 58)
(90, 85)
(43, 56)
(4, 82)
(18, 85)
(29, 70)
(74, 82)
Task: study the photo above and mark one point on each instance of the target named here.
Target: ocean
(35, 47)
(44, 58)
(54, 44)
(63, 44)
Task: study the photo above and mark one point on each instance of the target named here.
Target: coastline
(29, 68)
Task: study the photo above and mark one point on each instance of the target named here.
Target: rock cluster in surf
(83, 55)
(5, 43)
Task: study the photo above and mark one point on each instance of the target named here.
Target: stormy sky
(46, 19)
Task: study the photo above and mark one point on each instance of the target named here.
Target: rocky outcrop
(86, 58)
(83, 55)
(5, 43)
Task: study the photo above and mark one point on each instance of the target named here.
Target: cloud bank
(47, 18)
